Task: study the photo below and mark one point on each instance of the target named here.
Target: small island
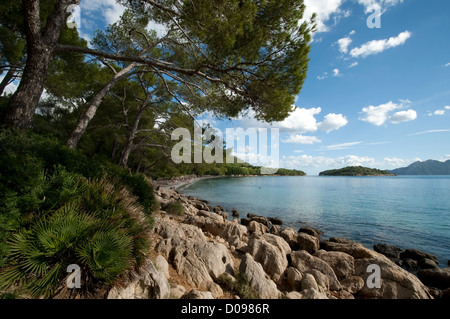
(356, 171)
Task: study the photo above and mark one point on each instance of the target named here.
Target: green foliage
(101, 229)
(175, 208)
(57, 210)
(355, 171)
(240, 286)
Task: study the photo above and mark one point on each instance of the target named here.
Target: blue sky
(377, 97)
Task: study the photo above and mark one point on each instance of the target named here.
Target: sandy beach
(182, 181)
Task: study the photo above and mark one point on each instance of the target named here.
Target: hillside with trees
(356, 171)
(430, 167)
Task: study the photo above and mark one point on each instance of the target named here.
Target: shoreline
(294, 255)
(230, 207)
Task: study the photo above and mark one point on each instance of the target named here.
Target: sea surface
(404, 211)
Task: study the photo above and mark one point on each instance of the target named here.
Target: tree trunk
(123, 161)
(40, 49)
(24, 101)
(79, 130)
(7, 79)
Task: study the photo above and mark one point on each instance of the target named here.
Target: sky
(377, 93)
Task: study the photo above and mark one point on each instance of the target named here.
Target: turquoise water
(405, 211)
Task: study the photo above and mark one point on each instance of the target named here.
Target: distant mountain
(430, 167)
(356, 171)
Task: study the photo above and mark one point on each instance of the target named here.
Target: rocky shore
(201, 254)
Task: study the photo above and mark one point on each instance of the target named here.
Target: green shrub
(240, 286)
(101, 228)
(175, 208)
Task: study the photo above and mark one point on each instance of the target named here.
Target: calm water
(405, 211)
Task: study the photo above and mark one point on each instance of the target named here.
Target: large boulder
(438, 278)
(354, 249)
(217, 226)
(257, 228)
(308, 242)
(294, 278)
(353, 284)
(270, 251)
(308, 282)
(304, 261)
(388, 250)
(395, 282)
(311, 231)
(151, 283)
(290, 236)
(342, 264)
(418, 255)
(254, 271)
(198, 260)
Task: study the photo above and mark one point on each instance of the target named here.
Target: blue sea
(404, 211)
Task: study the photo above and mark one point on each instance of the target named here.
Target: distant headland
(356, 171)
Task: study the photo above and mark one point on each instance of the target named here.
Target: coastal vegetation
(430, 167)
(89, 127)
(356, 171)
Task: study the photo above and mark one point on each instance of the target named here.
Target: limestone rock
(353, 284)
(294, 278)
(271, 255)
(197, 294)
(438, 278)
(396, 283)
(290, 236)
(309, 282)
(162, 265)
(265, 287)
(313, 294)
(308, 242)
(352, 248)
(257, 228)
(342, 263)
(149, 284)
(311, 231)
(304, 261)
(293, 295)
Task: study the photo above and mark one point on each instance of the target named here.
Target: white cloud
(342, 146)
(430, 131)
(344, 43)
(382, 5)
(403, 116)
(300, 121)
(301, 139)
(333, 122)
(324, 9)
(336, 72)
(378, 46)
(439, 112)
(160, 29)
(109, 9)
(394, 161)
(353, 65)
(323, 77)
(447, 107)
(378, 115)
(447, 65)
